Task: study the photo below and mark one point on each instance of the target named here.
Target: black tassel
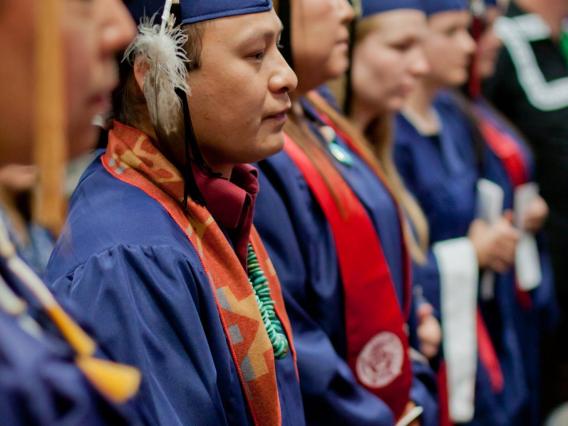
(190, 188)
(348, 87)
(284, 12)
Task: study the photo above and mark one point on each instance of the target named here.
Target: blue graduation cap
(437, 6)
(193, 11)
(372, 7)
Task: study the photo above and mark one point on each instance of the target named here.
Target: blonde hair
(376, 146)
(379, 157)
(297, 129)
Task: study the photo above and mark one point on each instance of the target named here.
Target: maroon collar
(231, 202)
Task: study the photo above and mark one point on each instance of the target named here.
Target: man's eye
(402, 47)
(450, 32)
(258, 56)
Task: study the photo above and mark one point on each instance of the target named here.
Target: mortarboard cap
(193, 11)
(372, 7)
(437, 6)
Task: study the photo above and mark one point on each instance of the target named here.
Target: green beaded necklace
(272, 324)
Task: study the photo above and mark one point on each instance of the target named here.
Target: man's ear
(141, 67)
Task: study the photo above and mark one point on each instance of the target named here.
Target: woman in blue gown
(437, 154)
(509, 162)
(159, 250)
(308, 250)
(52, 372)
(388, 60)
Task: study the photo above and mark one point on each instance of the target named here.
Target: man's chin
(274, 144)
(268, 147)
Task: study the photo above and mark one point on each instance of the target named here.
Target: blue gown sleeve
(427, 277)
(148, 311)
(41, 385)
(424, 393)
(332, 395)
(424, 390)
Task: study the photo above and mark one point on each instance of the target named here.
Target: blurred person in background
(33, 243)
(437, 155)
(508, 161)
(530, 87)
(388, 60)
(337, 237)
(51, 370)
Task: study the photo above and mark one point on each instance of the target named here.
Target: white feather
(163, 53)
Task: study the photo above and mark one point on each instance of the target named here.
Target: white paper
(527, 263)
(411, 416)
(489, 201)
(489, 208)
(527, 260)
(457, 264)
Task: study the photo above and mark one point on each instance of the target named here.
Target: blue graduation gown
(526, 322)
(302, 249)
(37, 250)
(40, 384)
(127, 264)
(442, 172)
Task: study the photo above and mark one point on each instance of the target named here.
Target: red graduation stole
(132, 158)
(488, 356)
(316, 99)
(487, 352)
(377, 344)
(506, 149)
(443, 397)
(442, 380)
(442, 373)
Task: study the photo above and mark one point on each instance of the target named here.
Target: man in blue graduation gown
(159, 248)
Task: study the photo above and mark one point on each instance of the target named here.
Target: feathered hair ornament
(161, 48)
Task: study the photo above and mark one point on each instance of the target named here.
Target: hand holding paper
(535, 215)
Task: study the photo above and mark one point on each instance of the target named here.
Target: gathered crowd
(284, 212)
